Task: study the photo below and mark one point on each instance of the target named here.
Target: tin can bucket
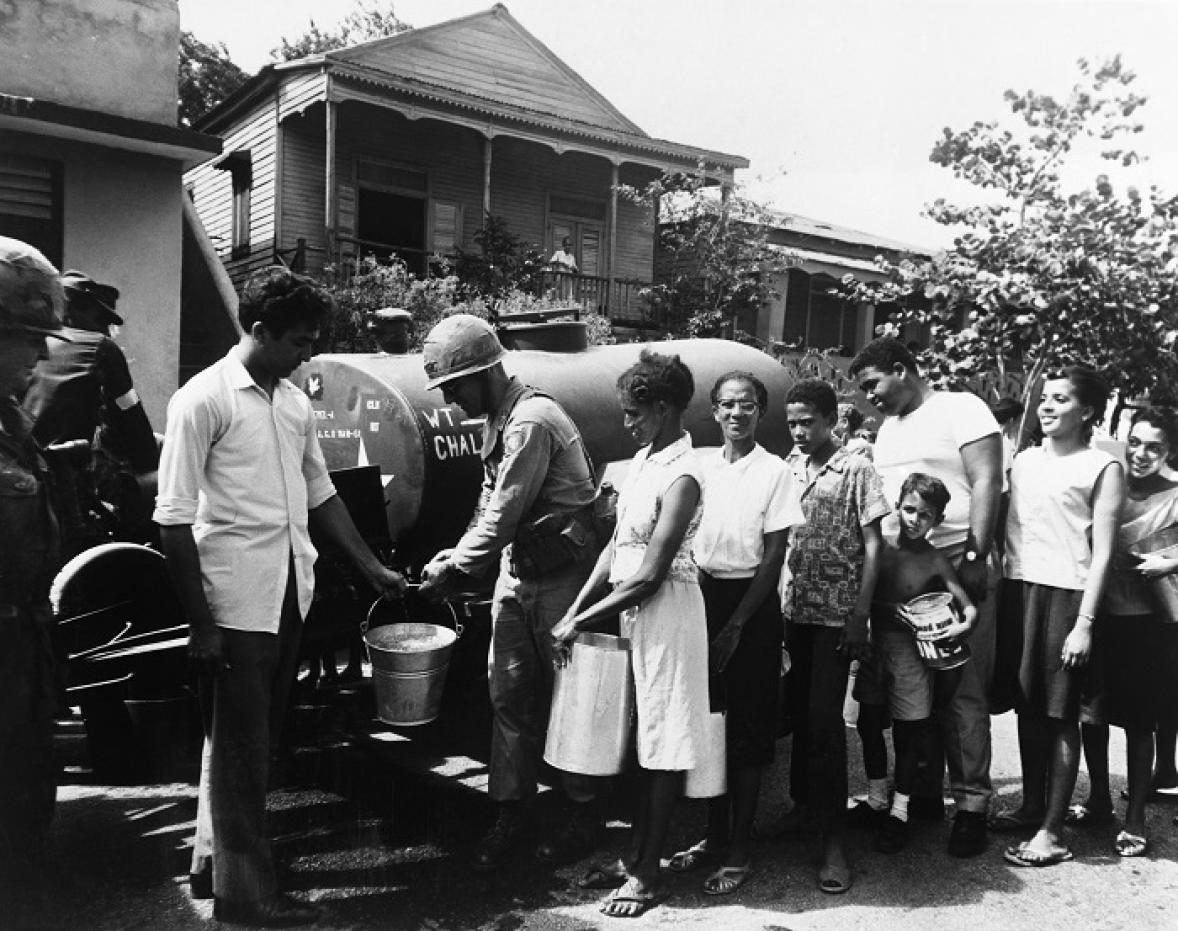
(1164, 588)
(929, 616)
(592, 708)
(709, 778)
(409, 664)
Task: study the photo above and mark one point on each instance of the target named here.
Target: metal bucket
(592, 708)
(409, 664)
(1164, 589)
(709, 778)
(929, 616)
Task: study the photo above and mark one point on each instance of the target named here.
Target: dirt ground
(390, 853)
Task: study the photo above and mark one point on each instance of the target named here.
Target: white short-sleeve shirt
(743, 501)
(243, 470)
(929, 440)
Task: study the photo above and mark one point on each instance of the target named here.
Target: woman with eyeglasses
(750, 502)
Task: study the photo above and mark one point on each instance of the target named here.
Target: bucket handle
(367, 622)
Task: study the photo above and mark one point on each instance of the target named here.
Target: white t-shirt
(929, 440)
(743, 501)
(1050, 522)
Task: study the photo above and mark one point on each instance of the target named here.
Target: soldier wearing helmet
(85, 383)
(391, 328)
(30, 304)
(534, 523)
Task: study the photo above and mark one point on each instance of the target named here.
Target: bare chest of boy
(904, 574)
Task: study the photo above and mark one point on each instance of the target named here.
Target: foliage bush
(376, 283)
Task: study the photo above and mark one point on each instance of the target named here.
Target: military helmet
(31, 294)
(459, 345)
(388, 315)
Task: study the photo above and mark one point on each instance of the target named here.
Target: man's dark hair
(817, 393)
(930, 488)
(760, 392)
(656, 377)
(1006, 409)
(884, 354)
(279, 299)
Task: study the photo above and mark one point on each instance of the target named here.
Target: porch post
(329, 187)
(487, 143)
(613, 236)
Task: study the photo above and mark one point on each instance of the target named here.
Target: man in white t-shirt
(954, 437)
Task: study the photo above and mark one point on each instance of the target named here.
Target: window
(815, 317)
(447, 236)
(391, 212)
(31, 203)
(580, 220)
(240, 167)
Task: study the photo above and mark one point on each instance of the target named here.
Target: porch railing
(621, 300)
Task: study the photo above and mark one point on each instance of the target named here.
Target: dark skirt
(1133, 674)
(748, 687)
(1030, 676)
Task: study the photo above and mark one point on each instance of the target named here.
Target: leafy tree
(365, 22)
(205, 77)
(504, 262)
(1041, 276)
(716, 260)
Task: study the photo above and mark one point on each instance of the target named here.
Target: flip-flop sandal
(1019, 855)
(834, 880)
(1130, 845)
(727, 879)
(692, 858)
(1083, 816)
(1008, 822)
(604, 877)
(638, 902)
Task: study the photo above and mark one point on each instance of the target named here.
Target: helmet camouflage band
(31, 294)
(459, 345)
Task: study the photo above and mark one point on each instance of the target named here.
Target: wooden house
(404, 146)
(805, 312)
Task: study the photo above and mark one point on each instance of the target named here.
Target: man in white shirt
(241, 479)
(954, 437)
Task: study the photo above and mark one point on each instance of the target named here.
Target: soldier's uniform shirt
(533, 463)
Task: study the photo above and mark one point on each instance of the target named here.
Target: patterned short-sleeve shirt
(826, 553)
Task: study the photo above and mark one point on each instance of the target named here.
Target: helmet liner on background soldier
(460, 345)
(31, 293)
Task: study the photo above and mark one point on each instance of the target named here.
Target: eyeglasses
(745, 407)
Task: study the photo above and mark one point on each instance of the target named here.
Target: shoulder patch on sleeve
(513, 441)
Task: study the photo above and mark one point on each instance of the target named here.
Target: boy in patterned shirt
(834, 562)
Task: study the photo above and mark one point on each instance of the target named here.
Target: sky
(836, 103)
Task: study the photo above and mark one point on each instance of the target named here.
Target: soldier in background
(83, 391)
(391, 328)
(30, 303)
(85, 384)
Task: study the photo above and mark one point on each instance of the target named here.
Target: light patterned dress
(668, 631)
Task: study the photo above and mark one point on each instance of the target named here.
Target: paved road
(383, 853)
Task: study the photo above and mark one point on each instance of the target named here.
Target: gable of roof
(490, 55)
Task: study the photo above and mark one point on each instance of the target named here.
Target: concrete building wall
(122, 226)
(114, 56)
